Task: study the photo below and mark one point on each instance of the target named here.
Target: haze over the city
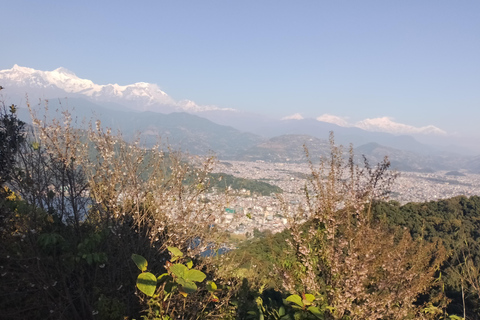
(401, 67)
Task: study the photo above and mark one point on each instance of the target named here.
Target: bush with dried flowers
(356, 266)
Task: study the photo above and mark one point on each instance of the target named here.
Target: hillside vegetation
(121, 234)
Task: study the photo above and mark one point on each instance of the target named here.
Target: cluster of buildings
(246, 214)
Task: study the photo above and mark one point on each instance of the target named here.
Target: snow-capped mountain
(61, 83)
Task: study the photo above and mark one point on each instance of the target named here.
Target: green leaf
(187, 286)
(140, 262)
(194, 275)
(178, 270)
(189, 264)
(175, 252)
(147, 283)
(295, 298)
(454, 317)
(211, 286)
(281, 311)
(309, 297)
(163, 277)
(316, 312)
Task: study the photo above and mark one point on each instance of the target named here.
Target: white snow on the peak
(143, 95)
(17, 73)
(386, 124)
(296, 116)
(64, 71)
(68, 81)
(189, 105)
(382, 124)
(18, 69)
(330, 118)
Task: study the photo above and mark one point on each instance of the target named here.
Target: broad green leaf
(309, 297)
(140, 262)
(295, 298)
(194, 275)
(211, 286)
(147, 283)
(175, 251)
(170, 287)
(187, 286)
(189, 264)
(281, 311)
(163, 277)
(316, 312)
(178, 270)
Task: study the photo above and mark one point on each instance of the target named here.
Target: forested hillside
(122, 233)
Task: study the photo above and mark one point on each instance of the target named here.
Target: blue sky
(415, 61)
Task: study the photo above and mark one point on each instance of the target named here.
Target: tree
(12, 135)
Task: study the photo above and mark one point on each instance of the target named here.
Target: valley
(266, 213)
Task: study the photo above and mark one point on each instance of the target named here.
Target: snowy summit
(62, 82)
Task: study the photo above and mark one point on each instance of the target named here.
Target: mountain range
(59, 83)
(143, 109)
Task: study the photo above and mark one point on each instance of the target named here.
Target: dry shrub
(90, 199)
(357, 267)
(111, 181)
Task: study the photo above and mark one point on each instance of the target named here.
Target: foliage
(78, 203)
(456, 222)
(84, 201)
(222, 181)
(361, 269)
(179, 278)
(11, 138)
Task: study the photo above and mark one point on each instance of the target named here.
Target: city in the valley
(247, 212)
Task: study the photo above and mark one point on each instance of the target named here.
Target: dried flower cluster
(359, 268)
(110, 181)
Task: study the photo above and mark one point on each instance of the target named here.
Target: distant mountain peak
(296, 116)
(61, 82)
(65, 71)
(17, 68)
